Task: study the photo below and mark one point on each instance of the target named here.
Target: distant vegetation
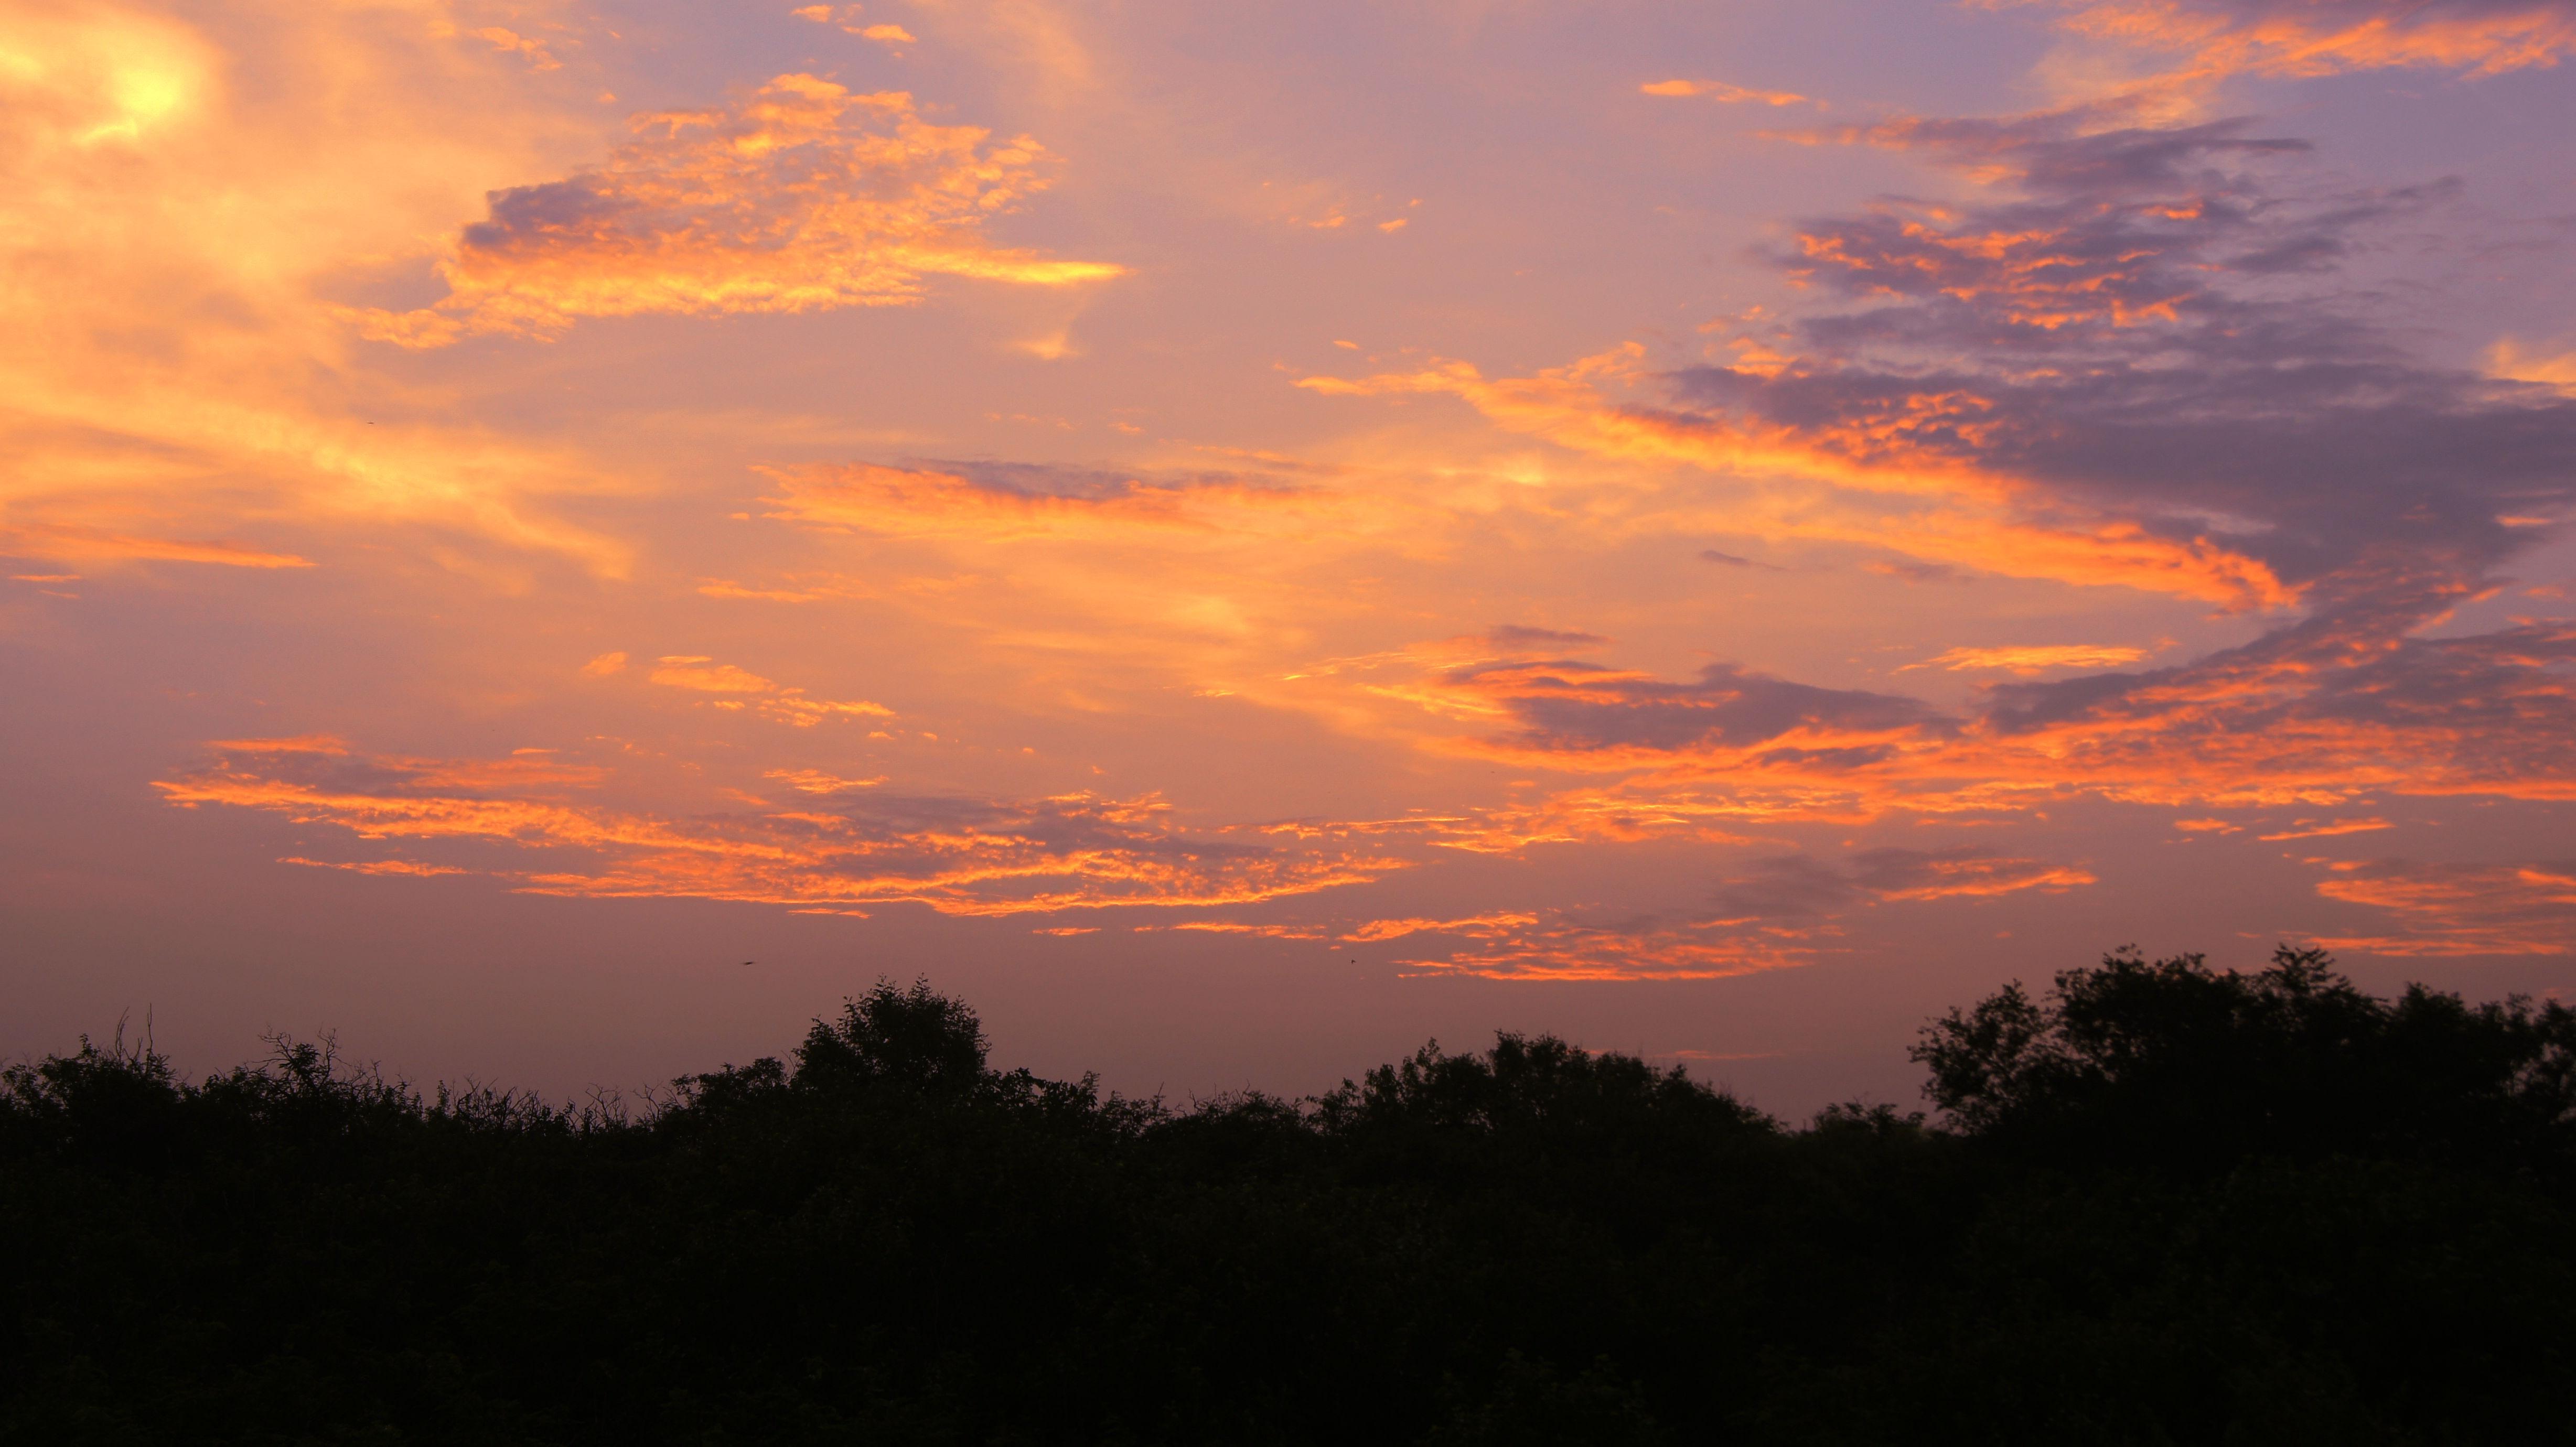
(2159, 1204)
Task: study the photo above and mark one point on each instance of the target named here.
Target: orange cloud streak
(898, 501)
(2261, 727)
(1976, 528)
(2031, 659)
(1720, 91)
(1075, 851)
(1576, 953)
(41, 540)
(1388, 929)
(2461, 909)
(2309, 40)
(774, 701)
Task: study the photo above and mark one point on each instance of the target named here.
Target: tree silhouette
(912, 1039)
(2178, 1064)
(2161, 1204)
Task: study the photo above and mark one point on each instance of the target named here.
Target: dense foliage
(2163, 1204)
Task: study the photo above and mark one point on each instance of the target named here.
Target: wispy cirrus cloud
(804, 196)
(1003, 504)
(851, 19)
(1777, 913)
(1919, 499)
(2208, 40)
(2459, 909)
(60, 540)
(2325, 829)
(1604, 714)
(739, 688)
(2032, 658)
(1571, 951)
(1721, 92)
(957, 856)
(2322, 712)
(1801, 886)
(1378, 930)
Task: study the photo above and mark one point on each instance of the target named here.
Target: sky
(558, 541)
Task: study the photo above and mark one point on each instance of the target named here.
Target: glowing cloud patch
(2220, 38)
(1721, 92)
(1779, 914)
(2032, 659)
(2507, 359)
(1482, 924)
(901, 501)
(408, 867)
(775, 701)
(2314, 715)
(1572, 952)
(2460, 909)
(1984, 516)
(816, 781)
(62, 541)
(955, 856)
(804, 197)
(2312, 829)
(848, 19)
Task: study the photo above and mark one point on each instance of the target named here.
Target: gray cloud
(1579, 707)
(2154, 329)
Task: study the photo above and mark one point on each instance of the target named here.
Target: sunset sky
(558, 541)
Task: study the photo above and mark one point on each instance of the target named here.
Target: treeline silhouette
(2159, 1204)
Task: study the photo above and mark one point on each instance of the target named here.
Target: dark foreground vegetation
(2162, 1204)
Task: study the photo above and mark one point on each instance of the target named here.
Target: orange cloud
(2031, 659)
(2315, 715)
(959, 857)
(1780, 913)
(1569, 952)
(804, 197)
(705, 675)
(55, 540)
(2220, 38)
(1973, 877)
(815, 781)
(1983, 517)
(2460, 909)
(301, 744)
(1233, 927)
(377, 866)
(1482, 924)
(847, 18)
(773, 700)
(512, 42)
(2311, 829)
(2508, 360)
(1721, 92)
(2035, 276)
(900, 501)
